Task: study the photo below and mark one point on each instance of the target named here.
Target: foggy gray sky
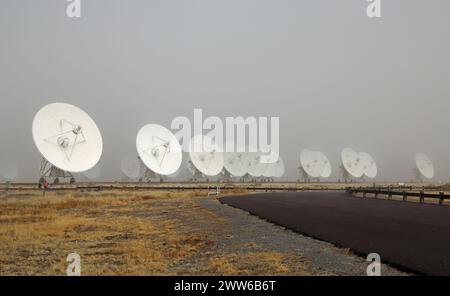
(334, 77)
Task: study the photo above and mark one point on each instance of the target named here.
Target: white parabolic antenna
(326, 172)
(205, 155)
(130, 166)
(254, 166)
(269, 170)
(234, 162)
(159, 149)
(278, 168)
(8, 170)
(352, 162)
(424, 165)
(67, 137)
(312, 163)
(369, 165)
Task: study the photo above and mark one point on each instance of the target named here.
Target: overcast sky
(334, 77)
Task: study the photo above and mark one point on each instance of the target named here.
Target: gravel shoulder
(322, 258)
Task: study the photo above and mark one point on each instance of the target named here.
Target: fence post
(441, 198)
(376, 193)
(389, 193)
(422, 199)
(404, 195)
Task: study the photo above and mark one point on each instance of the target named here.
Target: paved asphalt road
(413, 236)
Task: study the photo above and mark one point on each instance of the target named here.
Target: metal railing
(215, 191)
(390, 192)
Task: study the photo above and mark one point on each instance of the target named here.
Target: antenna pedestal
(268, 179)
(304, 177)
(247, 178)
(345, 175)
(51, 173)
(226, 176)
(148, 176)
(197, 176)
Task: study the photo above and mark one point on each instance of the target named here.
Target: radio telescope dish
(254, 167)
(269, 170)
(130, 166)
(368, 165)
(8, 170)
(93, 173)
(278, 168)
(312, 163)
(234, 163)
(67, 137)
(158, 149)
(326, 172)
(424, 165)
(352, 163)
(174, 175)
(205, 155)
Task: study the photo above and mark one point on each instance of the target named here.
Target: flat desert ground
(130, 232)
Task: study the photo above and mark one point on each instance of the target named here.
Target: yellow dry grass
(260, 263)
(120, 233)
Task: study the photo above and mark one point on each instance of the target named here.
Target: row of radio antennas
(205, 160)
(357, 166)
(315, 165)
(70, 142)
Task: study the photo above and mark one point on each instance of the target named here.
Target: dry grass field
(126, 233)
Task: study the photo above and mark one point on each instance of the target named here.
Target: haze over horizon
(334, 77)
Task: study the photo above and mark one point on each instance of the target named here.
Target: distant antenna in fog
(206, 160)
(234, 165)
(369, 165)
(8, 169)
(424, 166)
(314, 165)
(130, 167)
(352, 166)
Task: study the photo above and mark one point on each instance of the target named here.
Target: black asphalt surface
(415, 237)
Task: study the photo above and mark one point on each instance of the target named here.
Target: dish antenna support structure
(147, 175)
(197, 176)
(50, 172)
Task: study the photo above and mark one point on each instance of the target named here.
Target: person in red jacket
(45, 184)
